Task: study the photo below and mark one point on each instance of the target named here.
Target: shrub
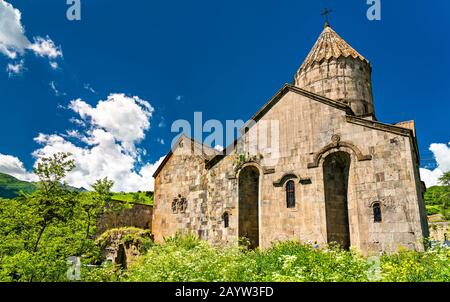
(187, 259)
(411, 266)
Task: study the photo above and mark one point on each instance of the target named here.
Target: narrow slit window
(226, 220)
(377, 212)
(290, 194)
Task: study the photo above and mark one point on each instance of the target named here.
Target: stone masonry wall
(306, 126)
(343, 79)
(139, 216)
(383, 169)
(183, 178)
(440, 231)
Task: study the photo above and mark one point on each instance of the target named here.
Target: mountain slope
(10, 187)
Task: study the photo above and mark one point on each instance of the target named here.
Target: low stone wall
(123, 246)
(440, 231)
(138, 216)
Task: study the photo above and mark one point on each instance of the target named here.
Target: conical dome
(330, 45)
(336, 70)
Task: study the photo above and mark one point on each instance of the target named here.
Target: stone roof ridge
(207, 152)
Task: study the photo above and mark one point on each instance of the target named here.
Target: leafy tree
(53, 201)
(445, 179)
(38, 232)
(94, 205)
(445, 196)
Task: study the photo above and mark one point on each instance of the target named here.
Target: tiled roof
(330, 45)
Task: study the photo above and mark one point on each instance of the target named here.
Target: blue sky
(223, 58)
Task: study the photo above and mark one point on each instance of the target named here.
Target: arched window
(183, 205)
(290, 194)
(226, 220)
(376, 212)
(175, 206)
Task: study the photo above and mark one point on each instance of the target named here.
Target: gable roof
(351, 117)
(395, 129)
(215, 156)
(207, 152)
(269, 105)
(313, 96)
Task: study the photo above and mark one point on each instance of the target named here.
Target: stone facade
(356, 180)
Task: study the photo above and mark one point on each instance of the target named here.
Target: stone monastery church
(338, 175)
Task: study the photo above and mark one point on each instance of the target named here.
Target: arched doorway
(248, 205)
(336, 169)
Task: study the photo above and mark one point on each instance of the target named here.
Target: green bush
(433, 210)
(189, 259)
(410, 266)
(185, 258)
(104, 273)
(128, 235)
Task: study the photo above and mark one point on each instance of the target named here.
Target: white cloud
(77, 122)
(145, 179)
(441, 153)
(104, 145)
(55, 89)
(13, 166)
(54, 65)
(45, 47)
(89, 87)
(162, 123)
(126, 118)
(160, 140)
(14, 42)
(15, 68)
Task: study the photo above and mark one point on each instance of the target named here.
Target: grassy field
(138, 197)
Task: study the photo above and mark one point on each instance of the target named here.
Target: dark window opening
(366, 109)
(183, 205)
(175, 206)
(290, 194)
(377, 212)
(226, 220)
(179, 205)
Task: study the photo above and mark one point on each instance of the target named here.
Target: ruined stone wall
(343, 79)
(123, 246)
(440, 231)
(139, 216)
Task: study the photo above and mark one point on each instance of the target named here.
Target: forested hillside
(10, 187)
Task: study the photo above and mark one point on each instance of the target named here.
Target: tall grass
(187, 259)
